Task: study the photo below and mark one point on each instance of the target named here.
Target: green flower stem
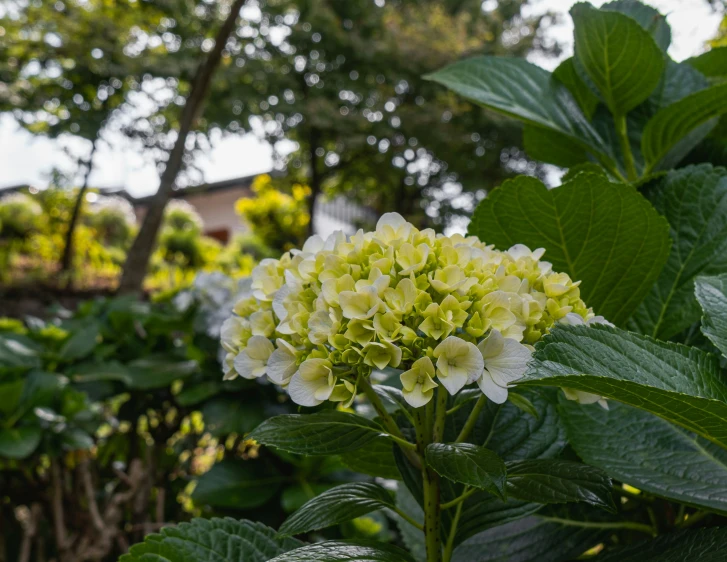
(472, 419)
(642, 527)
(623, 135)
(449, 547)
(459, 499)
(430, 481)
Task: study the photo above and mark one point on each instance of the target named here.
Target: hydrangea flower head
(444, 310)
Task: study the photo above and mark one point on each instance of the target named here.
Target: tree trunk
(315, 178)
(67, 258)
(137, 260)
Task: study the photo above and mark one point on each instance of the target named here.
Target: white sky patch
(25, 159)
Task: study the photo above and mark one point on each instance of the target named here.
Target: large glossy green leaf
(678, 128)
(334, 506)
(649, 453)
(680, 384)
(323, 433)
(19, 442)
(619, 56)
(211, 540)
(468, 464)
(713, 63)
(694, 201)
(647, 17)
(712, 296)
(559, 481)
(375, 459)
(531, 539)
(604, 234)
(525, 92)
(703, 545)
(237, 484)
(346, 551)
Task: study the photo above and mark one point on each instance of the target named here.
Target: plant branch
(408, 518)
(472, 419)
(459, 499)
(59, 525)
(430, 481)
(440, 415)
(394, 431)
(641, 527)
(449, 547)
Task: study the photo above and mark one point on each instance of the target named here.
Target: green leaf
(10, 394)
(198, 392)
(531, 539)
(552, 147)
(703, 545)
(712, 296)
(224, 415)
(337, 505)
(649, 453)
(411, 536)
(618, 55)
(676, 129)
(98, 371)
(567, 75)
(647, 17)
(604, 234)
(18, 352)
(484, 511)
(524, 91)
(468, 464)
(237, 484)
(680, 384)
(713, 63)
(694, 201)
(324, 433)
(19, 442)
(375, 459)
(159, 371)
(211, 540)
(81, 343)
(559, 481)
(346, 551)
(522, 403)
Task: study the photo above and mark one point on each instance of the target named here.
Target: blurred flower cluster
(446, 310)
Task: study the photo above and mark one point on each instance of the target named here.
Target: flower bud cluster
(446, 310)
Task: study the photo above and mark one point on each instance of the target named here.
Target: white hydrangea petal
(247, 367)
(491, 389)
(313, 245)
(572, 319)
(492, 345)
(511, 364)
(417, 398)
(303, 392)
(394, 220)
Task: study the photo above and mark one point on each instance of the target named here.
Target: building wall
(217, 209)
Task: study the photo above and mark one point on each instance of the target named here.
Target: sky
(25, 159)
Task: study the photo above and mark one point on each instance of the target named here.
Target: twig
(59, 525)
